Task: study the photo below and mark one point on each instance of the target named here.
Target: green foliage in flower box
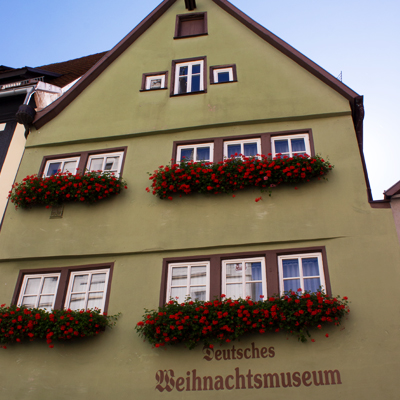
(235, 173)
(19, 324)
(223, 321)
(90, 187)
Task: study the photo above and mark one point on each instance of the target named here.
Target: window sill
(221, 83)
(190, 36)
(188, 94)
(152, 90)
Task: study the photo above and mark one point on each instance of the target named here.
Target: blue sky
(359, 38)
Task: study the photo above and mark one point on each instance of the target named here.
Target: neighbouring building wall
(395, 205)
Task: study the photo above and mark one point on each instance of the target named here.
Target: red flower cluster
(20, 323)
(235, 173)
(90, 187)
(226, 320)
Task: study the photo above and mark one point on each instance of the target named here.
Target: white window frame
(189, 75)
(195, 147)
(62, 161)
(188, 285)
(86, 292)
(219, 70)
(299, 257)
(153, 77)
(242, 142)
(304, 136)
(39, 293)
(243, 281)
(105, 155)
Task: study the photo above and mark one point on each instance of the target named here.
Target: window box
(190, 25)
(223, 74)
(188, 76)
(60, 188)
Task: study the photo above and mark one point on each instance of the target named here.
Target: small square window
(243, 278)
(195, 152)
(245, 147)
(189, 25)
(61, 165)
(188, 76)
(154, 81)
(301, 271)
(223, 74)
(290, 145)
(189, 279)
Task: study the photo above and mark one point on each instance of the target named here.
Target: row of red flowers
(18, 324)
(235, 173)
(90, 187)
(225, 320)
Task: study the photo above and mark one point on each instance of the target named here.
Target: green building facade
(193, 79)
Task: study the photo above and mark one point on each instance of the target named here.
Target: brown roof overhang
(392, 191)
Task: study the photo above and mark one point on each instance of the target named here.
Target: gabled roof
(51, 111)
(68, 71)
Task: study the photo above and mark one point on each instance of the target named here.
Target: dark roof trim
(392, 191)
(57, 106)
(288, 50)
(31, 71)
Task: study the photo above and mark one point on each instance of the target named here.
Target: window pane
(77, 302)
(155, 84)
(50, 285)
(195, 83)
(33, 286)
(53, 168)
(196, 69)
(203, 153)
(281, 146)
(183, 71)
(198, 275)
(253, 271)
(298, 145)
(80, 283)
(234, 291)
(182, 84)
(250, 149)
(96, 164)
(233, 149)
(179, 276)
(198, 293)
(98, 282)
(223, 77)
(234, 272)
(69, 166)
(178, 292)
(310, 266)
(290, 268)
(29, 301)
(312, 284)
(187, 154)
(291, 284)
(95, 300)
(111, 164)
(254, 290)
(46, 302)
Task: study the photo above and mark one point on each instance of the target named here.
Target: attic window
(154, 81)
(188, 25)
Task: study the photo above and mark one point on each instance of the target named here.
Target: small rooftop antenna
(340, 77)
